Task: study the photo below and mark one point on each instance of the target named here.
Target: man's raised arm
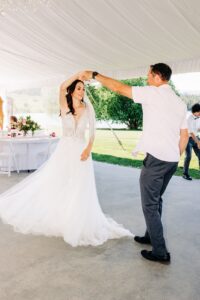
(110, 83)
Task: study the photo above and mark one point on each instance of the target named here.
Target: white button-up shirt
(164, 114)
(193, 124)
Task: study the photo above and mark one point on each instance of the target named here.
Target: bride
(60, 198)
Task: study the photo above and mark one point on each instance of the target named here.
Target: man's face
(154, 79)
(197, 114)
(151, 77)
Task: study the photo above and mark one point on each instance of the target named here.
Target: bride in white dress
(60, 198)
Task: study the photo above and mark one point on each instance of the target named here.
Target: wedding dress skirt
(60, 199)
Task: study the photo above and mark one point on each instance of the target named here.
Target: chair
(7, 158)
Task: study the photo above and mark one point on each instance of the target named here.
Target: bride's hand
(85, 75)
(85, 154)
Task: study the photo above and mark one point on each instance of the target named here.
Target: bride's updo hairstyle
(70, 90)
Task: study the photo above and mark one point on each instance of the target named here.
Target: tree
(99, 98)
(123, 110)
(111, 106)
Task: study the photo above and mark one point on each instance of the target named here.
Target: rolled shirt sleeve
(191, 122)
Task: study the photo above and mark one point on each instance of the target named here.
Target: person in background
(13, 122)
(194, 141)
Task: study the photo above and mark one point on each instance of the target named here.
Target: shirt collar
(166, 85)
(194, 117)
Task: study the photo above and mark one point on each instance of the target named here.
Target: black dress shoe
(142, 240)
(165, 259)
(187, 177)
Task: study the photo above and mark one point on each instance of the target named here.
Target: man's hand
(198, 145)
(85, 154)
(85, 75)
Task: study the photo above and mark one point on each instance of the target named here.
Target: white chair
(7, 158)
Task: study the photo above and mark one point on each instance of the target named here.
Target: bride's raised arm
(63, 89)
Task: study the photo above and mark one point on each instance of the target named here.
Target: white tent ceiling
(52, 39)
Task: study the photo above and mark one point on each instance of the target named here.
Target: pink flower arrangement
(26, 124)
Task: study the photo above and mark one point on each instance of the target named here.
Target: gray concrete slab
(41, 268)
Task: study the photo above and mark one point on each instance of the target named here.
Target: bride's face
(79, 91)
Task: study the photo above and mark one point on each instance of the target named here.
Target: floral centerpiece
(26, 124)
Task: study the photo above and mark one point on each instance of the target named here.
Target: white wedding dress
(60, 198)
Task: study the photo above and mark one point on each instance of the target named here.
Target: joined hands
(85, 75)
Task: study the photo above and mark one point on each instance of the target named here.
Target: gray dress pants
(154, 178)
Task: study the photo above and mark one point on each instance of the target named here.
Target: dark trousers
(154, 178)
(188, 155)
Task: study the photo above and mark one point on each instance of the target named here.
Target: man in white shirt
(194, 142)
(164, 139)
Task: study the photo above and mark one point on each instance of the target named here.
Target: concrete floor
(41, 268)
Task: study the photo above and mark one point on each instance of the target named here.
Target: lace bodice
(73, 127)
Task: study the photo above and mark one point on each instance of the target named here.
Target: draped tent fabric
(120, 38)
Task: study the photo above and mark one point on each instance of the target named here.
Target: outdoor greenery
(111, 106)
(107, 149)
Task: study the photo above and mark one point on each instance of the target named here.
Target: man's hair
(163, 70)
(196, 108)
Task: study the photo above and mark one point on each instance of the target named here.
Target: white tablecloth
(30, 152)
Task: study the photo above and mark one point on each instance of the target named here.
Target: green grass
(107, 149)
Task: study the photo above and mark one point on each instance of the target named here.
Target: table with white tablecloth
(29, 152)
